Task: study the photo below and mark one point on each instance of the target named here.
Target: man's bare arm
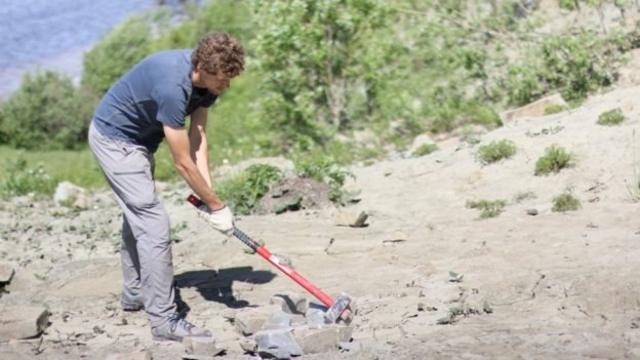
(198, 141)
(178, 141)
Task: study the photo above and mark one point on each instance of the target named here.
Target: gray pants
(146, 245)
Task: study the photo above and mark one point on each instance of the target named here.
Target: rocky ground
(430, 279)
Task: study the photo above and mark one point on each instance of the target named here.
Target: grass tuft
(555, 158)
(489, 209)
(496, 151)
(611, 117)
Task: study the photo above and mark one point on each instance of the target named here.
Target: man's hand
(221, 219)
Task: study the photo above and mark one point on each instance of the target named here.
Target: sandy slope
(561, 286)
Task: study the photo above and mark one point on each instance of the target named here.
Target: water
(54, 34)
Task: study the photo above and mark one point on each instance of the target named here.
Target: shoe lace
(177, 320)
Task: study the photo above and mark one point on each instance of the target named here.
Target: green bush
(326, 170)
(554, 159)
(19, 179)
(231, 16)
(243, 192)
(495, 151)
(425, 149)
(114, 55)
(489, 209)
(568, 4)
(47, 112)
(611, 117)
(324, 63)
(573, 64)
(565, 202)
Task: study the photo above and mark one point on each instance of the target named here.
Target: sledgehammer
(337, 308)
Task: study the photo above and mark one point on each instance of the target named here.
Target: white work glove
(221, 219)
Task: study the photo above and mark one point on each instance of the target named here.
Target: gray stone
(68, 194)
(248, 322)
(22, 321)
(351, 218)
(6, 274)
(200, 348)
(323, 339)
(291, 302)
(277, 343)
(278, 320)
(532, 212)
(248, 345)
(315, 317)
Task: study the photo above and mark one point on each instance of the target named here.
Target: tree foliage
(47, 112)
(323, 64)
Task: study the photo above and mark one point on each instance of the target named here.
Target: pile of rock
(289, 327)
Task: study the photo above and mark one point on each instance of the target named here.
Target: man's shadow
(218, 285)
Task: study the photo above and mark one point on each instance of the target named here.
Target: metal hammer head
(337, 309)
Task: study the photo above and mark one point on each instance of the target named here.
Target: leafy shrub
(573, 64)
(114, 55)
(324, 63)
(231, 16)
(568, 4)
(47, 112)
(565, 202)
(496, 150)
(523, 84)
(19, 179)
(425, 149)
(242, 193)
(611, 117)
(554, 159)
(489, 209)
(326, 170)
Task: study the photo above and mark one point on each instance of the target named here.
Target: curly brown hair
(219, 53)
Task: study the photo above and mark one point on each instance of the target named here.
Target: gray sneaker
(176, 328)
(134, 304)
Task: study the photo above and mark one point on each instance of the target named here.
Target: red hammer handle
(295, 276)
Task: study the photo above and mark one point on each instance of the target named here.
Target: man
(147, 104)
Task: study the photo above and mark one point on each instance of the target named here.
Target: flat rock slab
(277, 343)
(323, 339)
(201, 348)
(250, 321)
(351, 218)
(22, 321)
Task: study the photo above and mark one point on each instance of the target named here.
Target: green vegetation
(565, 202)
(496, 151)
(243, 192)
(522, 196)
(489, 209)
(46, 112)
(425, 149)
(327, 170)
(611, 117)
(21, 180)
(122, 48)
(319, 73)
(315, 57)
(555, 158)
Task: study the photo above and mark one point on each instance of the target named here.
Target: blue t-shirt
(156, 91)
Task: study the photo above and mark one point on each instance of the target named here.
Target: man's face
(215, 83)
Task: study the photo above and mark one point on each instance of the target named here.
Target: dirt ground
(550, 286)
